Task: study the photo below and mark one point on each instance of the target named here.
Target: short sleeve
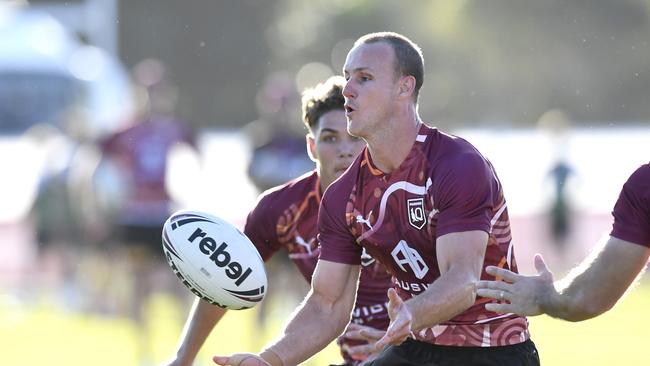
(632, 209)
(260, 229)
(466, 191)
(336, 242)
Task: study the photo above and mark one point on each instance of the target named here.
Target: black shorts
(412, 353)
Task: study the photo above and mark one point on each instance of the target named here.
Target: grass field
(44, 334)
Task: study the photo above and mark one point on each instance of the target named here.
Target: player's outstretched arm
(321, 317)
(201, 320)
(590, 289)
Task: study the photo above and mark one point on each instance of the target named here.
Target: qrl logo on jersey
(405, 255)
(417, 216)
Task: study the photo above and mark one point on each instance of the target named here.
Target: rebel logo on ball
(220, 256)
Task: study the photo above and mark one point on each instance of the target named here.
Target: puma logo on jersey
(362, 220)
(305, 244)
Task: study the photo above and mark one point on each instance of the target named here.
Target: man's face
(371, 87)
(332, 147)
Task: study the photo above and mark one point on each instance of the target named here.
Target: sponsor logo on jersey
(412, 287)
(407, 256)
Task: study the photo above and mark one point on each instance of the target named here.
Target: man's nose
(348, 91)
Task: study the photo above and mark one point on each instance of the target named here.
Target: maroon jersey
(632, 210)
(287, 217)
(443, 186)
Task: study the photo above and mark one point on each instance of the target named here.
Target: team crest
(417, 216)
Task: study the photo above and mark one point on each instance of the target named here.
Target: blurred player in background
(595, 286)
(286, 217)
(132, 179)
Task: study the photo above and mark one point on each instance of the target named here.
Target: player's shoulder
(448, 151)
(343, 185)
(641, 176)
(292, 191)
(445, 143)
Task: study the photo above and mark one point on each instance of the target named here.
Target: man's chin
(356, 129)
(338, 173)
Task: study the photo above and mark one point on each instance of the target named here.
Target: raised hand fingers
(503, 273)
(394, 300)
(362, 332)
(223, 360)
(496, 294)
(361, 352)
(397, 332)
(500, 308)
(492, 285)
(394, 338)
(540, 265)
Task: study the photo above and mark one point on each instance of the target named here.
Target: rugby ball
(215, 260)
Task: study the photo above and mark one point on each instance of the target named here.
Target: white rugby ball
(215, 260)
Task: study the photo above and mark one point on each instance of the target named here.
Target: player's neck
(392, 145)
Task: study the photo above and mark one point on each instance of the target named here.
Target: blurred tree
(497, 62)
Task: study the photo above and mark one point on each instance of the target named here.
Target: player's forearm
(314, 325)
(596, 285)
(449, 295)
(572, 303)
(202, 319)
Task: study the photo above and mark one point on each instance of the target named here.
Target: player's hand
(400, 322)
(240, 359)
(518, 294)
(362, 352)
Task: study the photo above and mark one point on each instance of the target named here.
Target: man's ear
(311, 147)
(406, 86)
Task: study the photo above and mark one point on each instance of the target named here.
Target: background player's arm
(590, 289)
(322, 316)
(202, 319)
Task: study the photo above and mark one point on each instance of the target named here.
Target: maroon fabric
(632, 210)
(443, 186)
(286, 217)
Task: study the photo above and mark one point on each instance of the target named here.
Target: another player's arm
(460, 259)
(202, 319)
(588, 291)
(320, 318)
(596, 285)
